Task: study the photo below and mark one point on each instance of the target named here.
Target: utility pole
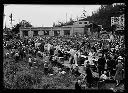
(11, 20)
(84, 13)
(77, 18)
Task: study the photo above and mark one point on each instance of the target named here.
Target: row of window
(83, 22)
(56, 33)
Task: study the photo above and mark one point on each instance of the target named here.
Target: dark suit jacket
(77, 86)
(101, 62)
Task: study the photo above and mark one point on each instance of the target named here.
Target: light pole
(11, 20)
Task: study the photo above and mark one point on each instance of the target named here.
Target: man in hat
(46, 68)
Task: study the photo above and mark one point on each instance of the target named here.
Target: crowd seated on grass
(62, 54)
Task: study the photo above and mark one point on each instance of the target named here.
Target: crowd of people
(103, 56)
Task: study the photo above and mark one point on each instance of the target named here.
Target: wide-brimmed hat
(120, 58)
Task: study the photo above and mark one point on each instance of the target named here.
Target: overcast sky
(45, 15)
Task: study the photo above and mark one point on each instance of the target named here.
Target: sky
(45, 15)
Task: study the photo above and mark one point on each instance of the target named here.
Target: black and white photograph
(52, 46)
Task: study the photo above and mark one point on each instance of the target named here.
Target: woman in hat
(119, 71)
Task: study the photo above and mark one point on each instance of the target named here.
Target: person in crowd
(104, 76)
(111, 65)
(60, 53)
(76, 72)
(76, 58)
(46, 68)
(51, 55)
(30, 61)
(72, 53)
(101, 64)
(16, 56)
(77, 85)
(119, 72)
(21, 53)
(89, 77)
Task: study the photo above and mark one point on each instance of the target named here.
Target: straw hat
(120, 58)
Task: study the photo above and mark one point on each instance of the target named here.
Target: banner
(118, 21)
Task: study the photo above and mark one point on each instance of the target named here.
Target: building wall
(81, 23)
(66, 28)
(41, 33)
(51, 33)
(30, 33)
(75, 28)
(79, 30)
(61, 32)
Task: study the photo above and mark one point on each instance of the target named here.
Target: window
(80, 22)
(35, 33)
(46, 32)
(66, 32)
(25, 33)
(85, 22)
(56, 32)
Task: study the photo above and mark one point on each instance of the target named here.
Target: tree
(23, 23)
(104, 14)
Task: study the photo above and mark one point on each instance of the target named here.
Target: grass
(19, 76)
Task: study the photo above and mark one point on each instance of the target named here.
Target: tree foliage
(23, 23)
(103, 15)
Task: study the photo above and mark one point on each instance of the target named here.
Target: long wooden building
(80, 26)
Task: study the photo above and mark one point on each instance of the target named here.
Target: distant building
(80, 26)
(114, 4)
